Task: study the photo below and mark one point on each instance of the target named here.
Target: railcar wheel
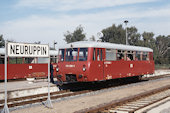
(59, 82)
(140, 77)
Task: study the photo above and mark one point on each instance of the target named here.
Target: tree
(148, 40)
(77, 35)
(2, 41)
(163, 45)
(134, 36)
(114, 34)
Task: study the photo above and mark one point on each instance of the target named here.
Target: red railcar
(97, 61)
(19, 68)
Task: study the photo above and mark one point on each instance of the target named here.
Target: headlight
(57, 69)
(84, 68)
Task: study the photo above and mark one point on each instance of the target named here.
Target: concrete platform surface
(25, 88)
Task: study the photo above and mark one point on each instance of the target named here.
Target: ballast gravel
(91, 100)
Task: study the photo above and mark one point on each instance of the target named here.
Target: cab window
(71, 54)
(61, 55)
(83, 53)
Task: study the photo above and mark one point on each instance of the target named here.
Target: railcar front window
(71, 54)
(61, 55)
(83, 53)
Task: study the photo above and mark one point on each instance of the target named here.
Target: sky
(48, 20)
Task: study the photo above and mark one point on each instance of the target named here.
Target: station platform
(23, 88)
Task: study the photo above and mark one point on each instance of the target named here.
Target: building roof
(84, 44)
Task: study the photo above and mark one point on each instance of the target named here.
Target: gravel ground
(94, 99)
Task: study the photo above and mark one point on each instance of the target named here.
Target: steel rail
(111, 107)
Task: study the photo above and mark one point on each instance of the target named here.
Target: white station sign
(27, 50)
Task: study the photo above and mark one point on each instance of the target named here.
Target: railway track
(134, 103)
(14, 102)
(39, 98)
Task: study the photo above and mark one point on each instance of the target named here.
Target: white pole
(48, 102)
(5, 109)
(126, 35)
(126, 32)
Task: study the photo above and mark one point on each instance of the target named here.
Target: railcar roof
(83, 44)
(52, 52)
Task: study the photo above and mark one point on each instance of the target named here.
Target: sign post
(5, 109)
(26, 50)
(48, 101)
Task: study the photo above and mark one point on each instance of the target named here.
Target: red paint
(102, 70)
(16, 71)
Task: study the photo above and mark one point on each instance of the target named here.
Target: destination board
(27, 50)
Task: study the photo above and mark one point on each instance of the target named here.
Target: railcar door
(98, 59)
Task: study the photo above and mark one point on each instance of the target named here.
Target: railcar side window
(138, 55)
(83, 53)
(2, 59)
(15, 60)
(53, 59)
(29, 60)
(121, 55)
(129, 56)
(145, 56)
(110, 54)
(101, 55)
(61, 55)
(71, 54)
(94, 54)
(98, 55)
(42, 60)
